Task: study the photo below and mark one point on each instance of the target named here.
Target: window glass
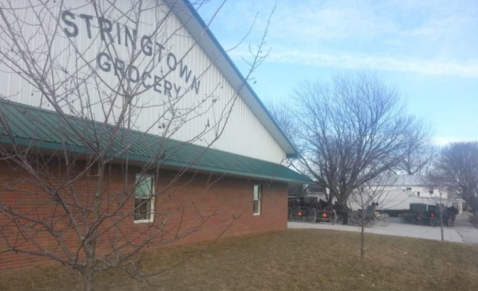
(257, 200)
(143, 201)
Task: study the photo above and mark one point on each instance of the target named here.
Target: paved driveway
(462, 232)
(468, 232)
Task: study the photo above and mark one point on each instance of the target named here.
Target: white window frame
(258, 200)
(151, 201)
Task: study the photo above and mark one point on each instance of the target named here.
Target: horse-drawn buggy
(368, 218)
(424, 214)
(313, 211)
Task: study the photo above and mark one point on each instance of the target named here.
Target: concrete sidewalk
(468, 232)
(463, 231)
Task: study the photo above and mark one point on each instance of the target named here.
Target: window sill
(144, 221)
(256, 214)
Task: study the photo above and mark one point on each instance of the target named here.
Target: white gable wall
(418, 191)
(399, 198)
(211, 96)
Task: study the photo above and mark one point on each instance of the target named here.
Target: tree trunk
(441, 218)
(88, 278)
(441, 224)
(90, 244)
(362, 234)
(343, 209)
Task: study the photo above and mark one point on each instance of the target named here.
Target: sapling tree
(368, 198)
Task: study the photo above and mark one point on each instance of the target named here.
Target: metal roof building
(125, 125)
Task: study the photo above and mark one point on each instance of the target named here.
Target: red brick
(184, 202)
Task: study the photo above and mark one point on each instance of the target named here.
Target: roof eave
(53, 147)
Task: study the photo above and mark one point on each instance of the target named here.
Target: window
(418, 193)
(431, 192)
(143, 200)
(409, 188)
(257, 200)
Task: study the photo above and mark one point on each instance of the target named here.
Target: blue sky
(427, 49)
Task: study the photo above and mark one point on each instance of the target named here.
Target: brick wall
(189, 208)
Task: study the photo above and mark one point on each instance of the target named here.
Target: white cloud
(427, 37)
(314, 20)
(444, 140)
(356, 61)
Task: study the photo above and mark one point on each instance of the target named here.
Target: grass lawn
(284, 260)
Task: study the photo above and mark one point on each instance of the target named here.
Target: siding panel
(244, 134)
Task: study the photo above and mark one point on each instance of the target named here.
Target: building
(129, 124)
(397, 192)
(413, 185)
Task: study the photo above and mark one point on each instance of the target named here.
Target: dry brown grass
(285, 260)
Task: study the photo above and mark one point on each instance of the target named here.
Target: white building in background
(399, 191)
(413, 186)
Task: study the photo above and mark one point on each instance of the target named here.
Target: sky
(426, 49)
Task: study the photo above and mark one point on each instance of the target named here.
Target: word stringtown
(125, 36)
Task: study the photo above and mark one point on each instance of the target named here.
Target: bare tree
(297, 190)
(368, 197)
(456, 171)
(122, 82)
(349, 132)
(419, 158)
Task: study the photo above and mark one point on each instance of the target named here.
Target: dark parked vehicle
(326, 216)
(298, 213)
(410, 218)
(311, 214)
(423, 214)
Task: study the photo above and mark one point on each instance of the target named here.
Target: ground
(284, 260)
(463, 231)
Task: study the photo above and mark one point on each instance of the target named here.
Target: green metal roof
(44, 129)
